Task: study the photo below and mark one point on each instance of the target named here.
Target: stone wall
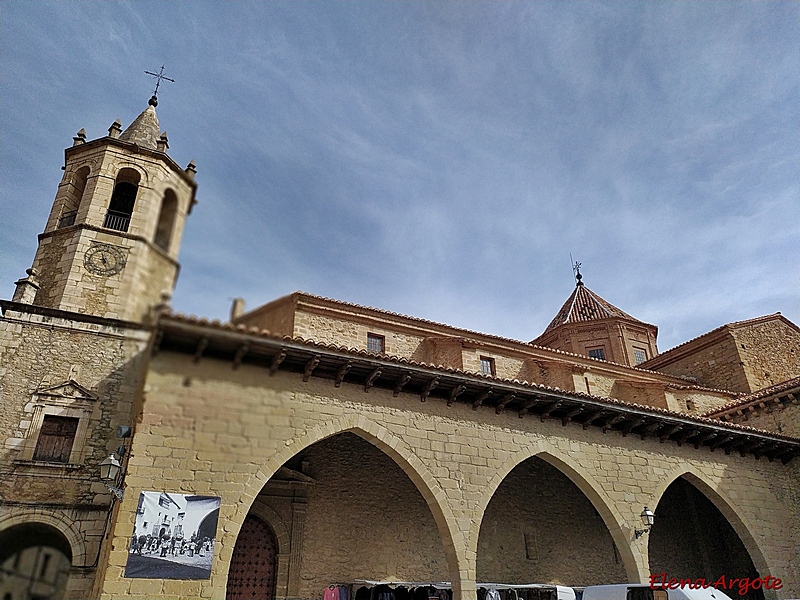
(769, 351)
(716, 364)
(743, 357)
(46, 363)
(208, 429)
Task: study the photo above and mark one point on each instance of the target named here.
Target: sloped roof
(584, 305)
(712, 336)
(144, 130)
(756, 398)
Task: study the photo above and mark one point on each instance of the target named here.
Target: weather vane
(159, 77)
(576, 270)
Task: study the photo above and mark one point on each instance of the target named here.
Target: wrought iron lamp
(647, 518)
(109, 471)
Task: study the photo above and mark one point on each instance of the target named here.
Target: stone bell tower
(110, 246)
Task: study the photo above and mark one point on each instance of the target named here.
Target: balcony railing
(67, 218)
(117, 220)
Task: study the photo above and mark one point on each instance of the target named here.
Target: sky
(437, 159)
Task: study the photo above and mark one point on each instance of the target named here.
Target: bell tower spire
(110, 246)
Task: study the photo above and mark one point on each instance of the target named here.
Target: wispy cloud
(439, 159)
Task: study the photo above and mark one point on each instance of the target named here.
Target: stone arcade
(346, 443)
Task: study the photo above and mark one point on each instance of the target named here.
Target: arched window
(73, 200)
(166, 220)
(120, 208)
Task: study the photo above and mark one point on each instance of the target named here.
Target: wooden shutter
(56, 439)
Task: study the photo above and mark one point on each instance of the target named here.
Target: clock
(104, 259)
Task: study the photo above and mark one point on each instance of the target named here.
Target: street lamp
(109, 471)
(647, 518)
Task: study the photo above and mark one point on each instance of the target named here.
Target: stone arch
(64, 526)
(391, 445)
(267, 514)
(737, 521)
(635, 568)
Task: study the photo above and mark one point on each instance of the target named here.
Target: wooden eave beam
(717, 443)
(482, 398)
(201, 347)
(371, 379)
(503, 401)
(651, 429)
(549, 409)
(612, 421)
(570, 415)
(707, 437)
(455, 393)
(632, 425)
(240, 353)
(527, 406)
(157, 342)
(595, 415)
(426, 391)
(276, 361)
(310, 366)
(342, 372)
(401, 383)
(687, 435)
(665, 434)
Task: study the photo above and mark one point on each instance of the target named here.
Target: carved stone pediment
(70, 390)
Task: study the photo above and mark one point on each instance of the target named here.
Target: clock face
(104, 259)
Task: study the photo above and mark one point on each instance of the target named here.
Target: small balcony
(67, 218)
(117, 220)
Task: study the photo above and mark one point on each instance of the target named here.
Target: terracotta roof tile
(584, 305)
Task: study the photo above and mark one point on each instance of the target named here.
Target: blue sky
(438, 159)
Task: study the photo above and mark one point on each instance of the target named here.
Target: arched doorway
(344, 511)
(691, 538)
(34, 561)
(253, 568)
(539, 527)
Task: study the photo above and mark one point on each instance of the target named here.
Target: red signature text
(659, 581)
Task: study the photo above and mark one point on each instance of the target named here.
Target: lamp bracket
(637, 533)
(118, 492)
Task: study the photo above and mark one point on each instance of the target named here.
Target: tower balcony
(117, 220)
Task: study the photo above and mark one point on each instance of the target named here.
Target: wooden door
(253, 565)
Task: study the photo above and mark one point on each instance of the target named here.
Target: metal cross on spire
(159, 77)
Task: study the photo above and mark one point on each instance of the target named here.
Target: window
(640, 355)
(375, 343)
(487, 366)
(598, 353)
(55, 439)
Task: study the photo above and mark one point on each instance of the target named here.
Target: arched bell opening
(120, 208)
(74, 197)
(35, 560)
(692, 539)
(166, 220)
(539, 527)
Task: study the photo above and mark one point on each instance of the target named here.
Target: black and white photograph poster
(173, 537)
